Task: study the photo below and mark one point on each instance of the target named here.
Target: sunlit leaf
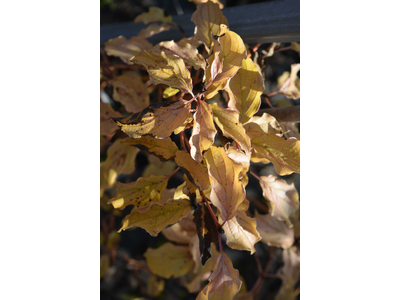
(206, 230)
(274, 232)
(283, 199)
(231, 55)
(181, 232)
(224, 281)
(158, 217)
(227, 190)
(290, 85)
(154, 14)
(158, 120)
(221, 6)
(228, 121)
(169, 260)
(169, 92)
(259, 126)
(165, 69)
(241, 232)
(120, 160)
(241, 158)
(203, 131)
(270, 50)
(154, 29)
(140, 193)
(196, 172)
(245, 89)
(125, 49)
(164, 149)
(107, 126)
(130, 90)
(155, 286)
(184, 50)
(207, 17)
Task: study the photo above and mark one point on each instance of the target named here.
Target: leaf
(155, 14)
(169, 260)
(228, 121)
(270, 50)
(106, 125)
(140, 193)
(158, 120)
(196, 172)
(154, 29)
(283, 199)
(163, 168)
(231, 55)
(181, 232)
(221, 6)
(164, 149)
(130, 90)
(227, 191)
(125, 49)
(184, 50)
(259, 126)
(241, 232)
(284, 154)
(120, 160)
(207, 19)
(203, 132)
(224, 281)
(245, 89)
(274, 232)
(158, 217)
(165, 69)
(155, 286)
(169, 92)
(240, 158)
(290, 272)
(296, 47)
(289, 86)
(206, 230)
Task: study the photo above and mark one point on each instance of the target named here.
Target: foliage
(215, 145)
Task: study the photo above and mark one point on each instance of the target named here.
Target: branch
(283, 114)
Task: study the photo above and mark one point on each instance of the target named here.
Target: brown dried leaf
(154, 29)
(158, 120)
(203, 131)
(207, 17)
(274, 232)
(196, 172)
(158, 217)
(125, 49)
(130, 90)
(107, 126)
(245, 89)
(164, 149)
(290, 85)
(283, 199)
(169, 260)
(165, 69)
(154, 14)
(227, 190)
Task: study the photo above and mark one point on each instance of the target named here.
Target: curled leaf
(125, 49)
(158, 217)
(290, 85)
(158, 120)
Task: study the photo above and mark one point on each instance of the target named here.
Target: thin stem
(260, 280)
(272, 94)
(182, 140)
(209, 208)
(172, 174)
(259, 268)
(255, 175)
(267, 100)
(283, 49)
(259, 204)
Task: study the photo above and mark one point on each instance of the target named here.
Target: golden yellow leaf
(207, 17)
(203, 131)
(227, 190)
(141, 193)
(169, 91)
(154, 14)
(224, 281)
(169, 260)
(125, 49)
(155, 286)
(158, 120)
(241, 232)
(130, 90)
(290, 85)
(120, 160)
(228, 121)
(154, 29)
(283, 199)
(232, 52)
(196, 172)
(274, 232)
(164, 149)
(158, 217)
(221, 6)
(184, 50)
(245, 89)
(165, 69)
(107, 126)
(284, 154)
